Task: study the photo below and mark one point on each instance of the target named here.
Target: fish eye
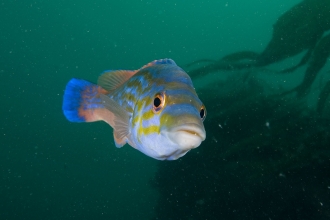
(159, 102)
(202, 113)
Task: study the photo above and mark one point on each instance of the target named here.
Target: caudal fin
(81, 101)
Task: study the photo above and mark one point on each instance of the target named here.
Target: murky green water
(265, 157)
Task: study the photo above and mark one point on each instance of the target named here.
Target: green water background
(53, 169)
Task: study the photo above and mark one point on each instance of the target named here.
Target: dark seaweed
(265, 157)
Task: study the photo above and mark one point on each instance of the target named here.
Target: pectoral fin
(120, 122)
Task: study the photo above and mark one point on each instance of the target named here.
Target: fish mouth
(193, 129)
(187, 136)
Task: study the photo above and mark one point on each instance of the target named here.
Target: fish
(154, 109)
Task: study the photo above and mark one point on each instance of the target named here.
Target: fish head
(170, 117)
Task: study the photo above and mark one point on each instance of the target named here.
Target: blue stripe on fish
(176, 110)
(72, 99)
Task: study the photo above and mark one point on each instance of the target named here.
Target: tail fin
(81, 99)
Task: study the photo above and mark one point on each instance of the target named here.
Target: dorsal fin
(161, 61)
(112, 79)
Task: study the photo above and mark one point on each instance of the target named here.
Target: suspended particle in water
(267, 124)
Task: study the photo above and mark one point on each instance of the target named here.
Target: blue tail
(75, 98)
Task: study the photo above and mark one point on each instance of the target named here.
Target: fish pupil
(201, 113)
(157, 102)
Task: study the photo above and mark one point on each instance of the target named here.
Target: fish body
(154, 109)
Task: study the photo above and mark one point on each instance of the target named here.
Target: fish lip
(191, 128)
